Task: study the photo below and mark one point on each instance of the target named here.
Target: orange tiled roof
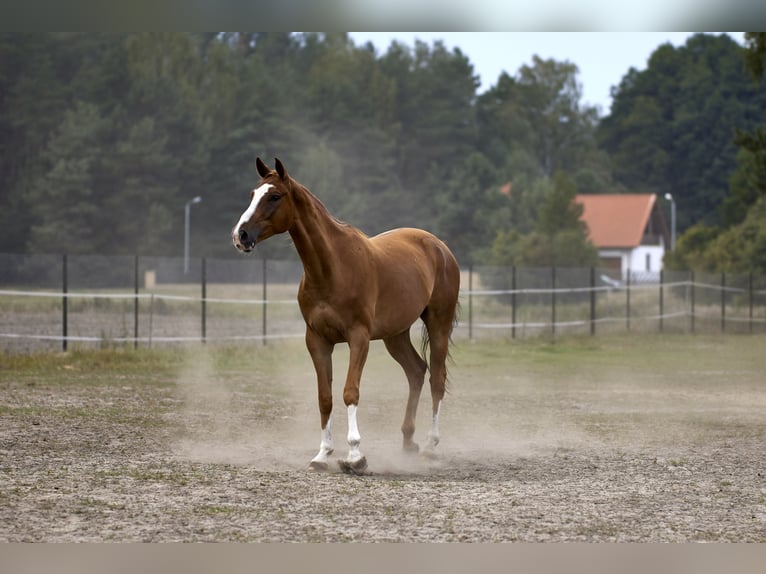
(616, 220)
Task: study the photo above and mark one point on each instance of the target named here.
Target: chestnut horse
(354, 289)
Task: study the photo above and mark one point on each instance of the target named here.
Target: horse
(355, 289)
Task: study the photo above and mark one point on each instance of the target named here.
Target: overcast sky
(602, 58)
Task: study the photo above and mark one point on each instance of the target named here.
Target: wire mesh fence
(54, 302)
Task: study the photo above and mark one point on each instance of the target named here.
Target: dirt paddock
(635, 439)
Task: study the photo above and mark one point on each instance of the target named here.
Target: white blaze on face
(258, 194)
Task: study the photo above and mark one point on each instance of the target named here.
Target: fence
(50, 302)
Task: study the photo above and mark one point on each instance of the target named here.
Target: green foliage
(62, 201)
(560, 212)
(538, 118)
(738, 245)
(671, 126)
(470, 210)
(105, 137)
(690, 252)
(118, 132)
(738, 249)
(755, 55)
(748, 182)
(559, 239)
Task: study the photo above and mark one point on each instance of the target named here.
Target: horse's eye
(274, 197)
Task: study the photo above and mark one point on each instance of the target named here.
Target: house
(629, 231)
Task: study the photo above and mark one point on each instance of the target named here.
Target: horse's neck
(316, 235)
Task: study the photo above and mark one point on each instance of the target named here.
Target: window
(648, 261)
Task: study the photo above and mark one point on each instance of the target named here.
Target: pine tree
(62, 200)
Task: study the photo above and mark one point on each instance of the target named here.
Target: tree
(670, 129)
(560, 237)
(748, 183)
(134, 125)
(62, 199)
(470, 211)
(560, 212)
(435, 92)
(33, 100)
(755, 54)
(738, 249)
(538, 111)
(738, 244)
(140, 206)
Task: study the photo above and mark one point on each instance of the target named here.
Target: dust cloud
(264, 415)
(237, 419)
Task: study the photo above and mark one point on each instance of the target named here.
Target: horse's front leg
(359, 345)
(321, 355)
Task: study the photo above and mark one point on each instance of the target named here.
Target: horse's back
(411, 248)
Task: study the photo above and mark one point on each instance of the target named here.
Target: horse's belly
(397, 309)
(387, 325)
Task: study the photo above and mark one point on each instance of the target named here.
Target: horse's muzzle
(243, 240)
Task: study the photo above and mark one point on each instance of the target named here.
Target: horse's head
(270, 211)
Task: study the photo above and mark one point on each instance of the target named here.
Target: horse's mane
(323, 208)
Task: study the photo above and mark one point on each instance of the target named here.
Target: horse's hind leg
(401, 349)
(439, 327)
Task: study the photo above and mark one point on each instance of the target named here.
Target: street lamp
(669, 197)
(187, 208)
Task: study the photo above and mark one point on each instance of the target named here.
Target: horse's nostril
(242, 235)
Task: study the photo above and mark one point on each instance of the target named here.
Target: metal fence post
(692, 297)
(627, 303)
(662, 291)
(470, 300)
(723, 302)
(750, 302)
(204, 300)
(592, 300)
(513, 302)
(135, 303)
(64, 303)
(553, 301)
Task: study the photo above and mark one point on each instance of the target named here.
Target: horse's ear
(263, 169)
(280, 168)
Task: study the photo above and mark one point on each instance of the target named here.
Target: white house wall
(635, 261)
(639, 255)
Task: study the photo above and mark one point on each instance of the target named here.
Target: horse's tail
(425, 340)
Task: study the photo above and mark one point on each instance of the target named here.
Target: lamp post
(669, 197)
(187, 209)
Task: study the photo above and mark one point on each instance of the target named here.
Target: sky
(603, 58)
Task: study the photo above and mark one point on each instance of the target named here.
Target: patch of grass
(91, 367)
(625, 351)
(672, 355)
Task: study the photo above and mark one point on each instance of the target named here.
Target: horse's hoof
(317, 466)
(357, 467)
(411, 448)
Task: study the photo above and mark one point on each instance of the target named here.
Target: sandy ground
(206, 455)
